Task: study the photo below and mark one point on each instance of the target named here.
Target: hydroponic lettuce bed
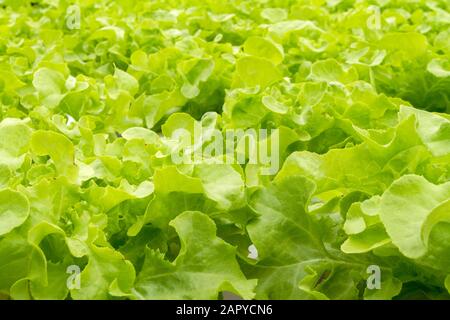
(98, 202)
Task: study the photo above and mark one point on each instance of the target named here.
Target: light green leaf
(255, 71)
(439, 68)
(264, 48)
(14, 210)
(58, 147)
(205, 266)
(169, 179)
(407, 209)
(104, 268)
(15, 138)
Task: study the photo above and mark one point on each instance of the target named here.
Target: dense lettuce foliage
(360, 93)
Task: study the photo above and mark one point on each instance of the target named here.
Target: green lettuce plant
(94, 94)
